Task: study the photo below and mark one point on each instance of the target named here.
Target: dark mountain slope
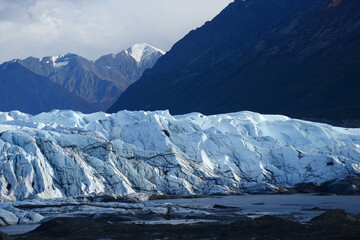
(299, 58)
(313, 72)
(21, 89)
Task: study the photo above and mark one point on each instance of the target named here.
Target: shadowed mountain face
(21, 89)
(299, 58)
(99, 83)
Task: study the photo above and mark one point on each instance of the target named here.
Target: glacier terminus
(66, 153)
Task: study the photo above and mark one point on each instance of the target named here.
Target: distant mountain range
(298, 58)
(92, 85)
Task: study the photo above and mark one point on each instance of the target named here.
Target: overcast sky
(92, 28)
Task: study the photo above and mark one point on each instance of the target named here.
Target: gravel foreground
(333, 224)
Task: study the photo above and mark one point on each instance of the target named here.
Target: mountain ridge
(96, 82)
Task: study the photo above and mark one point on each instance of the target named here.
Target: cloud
(92, 28)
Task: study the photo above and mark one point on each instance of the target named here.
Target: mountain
(67, 153)
(101, 82)
(133, 61)
(298, 58)
(21, 89)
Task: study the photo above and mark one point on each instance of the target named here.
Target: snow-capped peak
(140, 51)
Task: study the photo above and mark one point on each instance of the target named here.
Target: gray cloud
(92, 28)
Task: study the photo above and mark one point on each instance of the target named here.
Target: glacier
(65, 153)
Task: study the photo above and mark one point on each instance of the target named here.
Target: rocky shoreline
(333, 224)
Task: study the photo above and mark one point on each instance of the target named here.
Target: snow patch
(54, 58)
(61, 64)
(59, 61)
(139, 51)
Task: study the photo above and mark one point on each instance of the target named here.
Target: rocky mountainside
(21, 89)
(99, 83)
(66, 153)
(298, 58)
